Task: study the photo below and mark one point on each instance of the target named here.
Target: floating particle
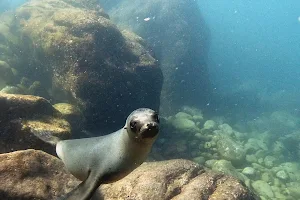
(147, 19)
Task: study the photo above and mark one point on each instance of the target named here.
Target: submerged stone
(200, 160)
(72, 114)
(210, 124)
(282, 175)
(89, 61)
(231, 150)
(42, 176)
(226, 167)
(170, 28)
(251, 158)
(6, 74)
(30, 122)
(270, 161)
(226, 129)
(185, 125)
(263, 189)
(249, 171)
(293, 189)
(184, 115)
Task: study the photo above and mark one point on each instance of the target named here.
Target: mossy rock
(104, 71)
(30, 122)
(231, 150)
(72, 114)
(6, 74)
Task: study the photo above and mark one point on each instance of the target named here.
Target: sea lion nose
(149, 125)
(152, 126)
(152, 130)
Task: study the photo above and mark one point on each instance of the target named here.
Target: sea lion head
(143, 124)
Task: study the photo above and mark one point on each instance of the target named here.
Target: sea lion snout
(152, 125)
(150, 130)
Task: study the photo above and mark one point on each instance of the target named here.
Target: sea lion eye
(133, 125)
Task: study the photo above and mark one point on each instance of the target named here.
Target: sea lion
(108, 158)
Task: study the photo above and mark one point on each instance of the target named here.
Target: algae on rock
(30, 122)
(72, 47)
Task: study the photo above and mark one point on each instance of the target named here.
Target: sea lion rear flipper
(85, 190)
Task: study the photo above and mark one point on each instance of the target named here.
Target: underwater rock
(12, 90)
(33, 174)
(267, 177)
(279, 150)
(291, 168)
(282, 175)
(183, 123)
(24, 106)
(25, 119)
(284, 120)
(201, 137)
(192, 111)
(226, 167)
(22, 88)
(200, 160)
(254, 145)
(80, 53)
(208, 145)
(263, 189)
(169, 27)
(226, 129)
(210, 125)
(189, 181)
(42, 176)
(270, 161)
(71, 113)
(5, 28)
(210, 163)
(249, 171)
(240, 136)
(259, 167)
(231, 150)
(251, 158)
(260, 155)
(181, 146)
(184, 115)
(196, 114)
(293, 189)
(291, 142)
(6, 74)
(197, 118)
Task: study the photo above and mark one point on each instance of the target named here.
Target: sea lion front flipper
(85, 190)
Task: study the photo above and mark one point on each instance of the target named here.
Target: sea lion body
(109, 154)
(109, 158)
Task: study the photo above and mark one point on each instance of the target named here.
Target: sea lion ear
(156, 117)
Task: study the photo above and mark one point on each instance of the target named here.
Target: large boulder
(176, 180)
(31, 174)
(72, 47)
(7, 40)
(180, 39)
(30, 122)
(6, 74)
(34, 174)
